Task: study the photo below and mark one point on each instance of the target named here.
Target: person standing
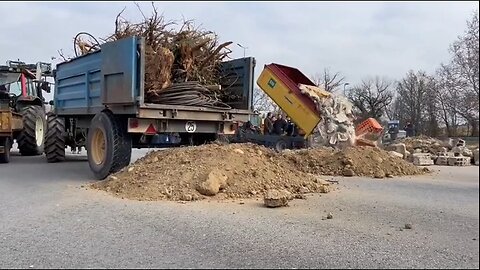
(268, 124)
(280, 125)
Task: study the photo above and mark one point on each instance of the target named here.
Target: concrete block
(459, 161)
(441, 161)
(422, 159)
(395, 154)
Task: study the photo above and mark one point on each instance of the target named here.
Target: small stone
(239, 151)
(330, 216)
(379, 174)
(300, 196)
(259, 152)
(348, 172)
(131, 169)
(303, 190)
(155, 159)
(186, 197)
(348, 162)
(408, 226)
(388, 175)
(276, 198)
(113, 177)
(253, 192)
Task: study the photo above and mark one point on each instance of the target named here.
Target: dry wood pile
(186, 54)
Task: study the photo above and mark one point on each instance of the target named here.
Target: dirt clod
(408, 226)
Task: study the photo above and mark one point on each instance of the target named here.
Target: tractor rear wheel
(5, 143)
(109, 146)
(31, 138)
(55, 139)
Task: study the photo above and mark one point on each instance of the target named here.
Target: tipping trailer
(99, 104)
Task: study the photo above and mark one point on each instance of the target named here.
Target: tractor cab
(22, 84)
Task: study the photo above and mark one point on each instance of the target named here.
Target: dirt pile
(193, 173)
(360, 161)
(245, 170)
(424, 143)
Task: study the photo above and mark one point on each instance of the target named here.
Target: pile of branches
(171, 55)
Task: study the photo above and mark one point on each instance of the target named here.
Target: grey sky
(358, 39)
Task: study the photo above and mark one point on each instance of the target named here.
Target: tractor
(22, 107)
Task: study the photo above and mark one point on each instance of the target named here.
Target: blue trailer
(99, 103)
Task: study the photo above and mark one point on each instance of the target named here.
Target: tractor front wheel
(5, 145)
(31, 138)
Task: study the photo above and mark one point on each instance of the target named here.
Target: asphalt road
(47, 220)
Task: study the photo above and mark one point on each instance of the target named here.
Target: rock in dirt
(303, 190)
(214, 182)
(330, 216)
(379, 174)
(408, 226)
(276, 198)
(348, 172)
(239, 151)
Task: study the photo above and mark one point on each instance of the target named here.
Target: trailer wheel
(55, 139)
(280, 145)
(6, 145)
(31, 138)
(109, 147)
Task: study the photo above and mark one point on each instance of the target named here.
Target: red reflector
(134, 123)
(151, 130)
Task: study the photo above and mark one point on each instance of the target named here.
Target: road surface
(47, 220)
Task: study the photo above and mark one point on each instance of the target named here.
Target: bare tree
(262, 102)
(371, 97)
(463, 73)
(415, 99)
(328, 80)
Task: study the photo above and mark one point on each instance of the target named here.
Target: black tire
(118, 145)
(55, 139)
(6, 144)
(28, 145)
(280, 145)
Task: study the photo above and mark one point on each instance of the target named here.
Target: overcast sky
(358, 39)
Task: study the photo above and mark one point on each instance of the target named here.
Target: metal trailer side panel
(105, 78)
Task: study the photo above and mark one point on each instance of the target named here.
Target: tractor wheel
(55, 139)
(31, 138)
(109, 146)
(6, 145)
(280, 145)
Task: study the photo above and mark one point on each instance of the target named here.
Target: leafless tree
(328, 80)
(371, 97)
(262, 102)
(415, 99)
(463, 73)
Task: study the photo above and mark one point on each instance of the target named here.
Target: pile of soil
(235, 171)
(244, 171)
(359, 161)
(424, 143)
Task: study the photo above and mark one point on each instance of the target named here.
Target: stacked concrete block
(459, 161)
(442, 158)
(422, 159)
